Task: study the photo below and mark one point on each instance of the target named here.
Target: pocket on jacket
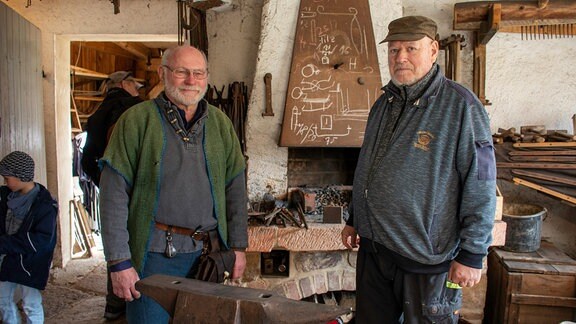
(486, 160)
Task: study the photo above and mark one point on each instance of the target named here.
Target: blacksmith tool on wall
(268, 84)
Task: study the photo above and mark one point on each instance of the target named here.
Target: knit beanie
(19, 165)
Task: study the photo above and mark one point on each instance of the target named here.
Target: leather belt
(196, 235)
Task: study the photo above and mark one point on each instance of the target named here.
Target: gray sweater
(428, 193)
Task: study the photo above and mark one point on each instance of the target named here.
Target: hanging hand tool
(268, 85)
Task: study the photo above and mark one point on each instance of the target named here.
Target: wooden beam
(547, 176)
(110, 48)
(82, 72)
(542, 300)
(88, 98)
(470, 15)
(479, 72)
(135, 48)
(545, 144)
(489, 28)
(551, 192)
(535, 165)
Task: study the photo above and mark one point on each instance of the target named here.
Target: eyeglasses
(184, 73)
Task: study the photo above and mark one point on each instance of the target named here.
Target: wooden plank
(539, 300)
(109, 48)
(135, 48)
(544, 158)
(489, 28)
(525, 165)
(87, 73)
(470, 15)
(541, 152)
(547, 253)
(89, 98)
(545, 175)
(551, 192)
(545, 144)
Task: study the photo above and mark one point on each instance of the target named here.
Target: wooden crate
(537, 287)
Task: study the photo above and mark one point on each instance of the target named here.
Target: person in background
(424, 190)
(173, 171)
(122, 93)
(28, 216)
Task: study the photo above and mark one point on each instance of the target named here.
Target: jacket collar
(420, 93)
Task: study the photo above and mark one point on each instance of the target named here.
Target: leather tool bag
(215, 264)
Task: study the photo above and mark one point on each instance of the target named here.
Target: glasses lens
(200, 74)
(181, 73)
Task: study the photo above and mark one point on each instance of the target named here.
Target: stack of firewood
(532, 134)
(540, 159)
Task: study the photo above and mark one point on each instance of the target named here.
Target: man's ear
(160, 72)
(434, 48)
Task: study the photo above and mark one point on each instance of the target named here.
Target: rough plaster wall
(535, 89)
(233, 36)
(267, 164)
(97, 16)
(527, 82)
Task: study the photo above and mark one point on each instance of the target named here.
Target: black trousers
(387, 294)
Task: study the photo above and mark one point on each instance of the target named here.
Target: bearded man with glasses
(172, 173)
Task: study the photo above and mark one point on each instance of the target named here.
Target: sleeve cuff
(122, 265)
(470, 259)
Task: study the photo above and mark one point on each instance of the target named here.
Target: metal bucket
(523, 226)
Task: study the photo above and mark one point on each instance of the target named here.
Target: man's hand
(463, 275)
(239, 265)
(349, 237)
(123, 284)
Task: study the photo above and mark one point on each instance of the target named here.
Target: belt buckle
(198, 235)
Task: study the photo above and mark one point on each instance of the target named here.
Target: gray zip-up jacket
(430, 194)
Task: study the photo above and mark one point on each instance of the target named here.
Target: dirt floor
(77, 293)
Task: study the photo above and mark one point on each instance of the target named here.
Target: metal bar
(195, 301)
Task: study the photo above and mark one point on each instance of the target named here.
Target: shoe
(112, 313)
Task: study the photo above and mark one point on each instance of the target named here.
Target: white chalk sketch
(335, 76)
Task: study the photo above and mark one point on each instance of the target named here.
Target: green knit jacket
(136, 150)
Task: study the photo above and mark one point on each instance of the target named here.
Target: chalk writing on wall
(334, 77)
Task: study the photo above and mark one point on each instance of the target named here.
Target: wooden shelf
(82, 72)
(89, 98)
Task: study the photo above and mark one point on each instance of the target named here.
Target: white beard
(180, 99)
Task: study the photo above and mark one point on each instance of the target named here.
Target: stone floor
(76, 294)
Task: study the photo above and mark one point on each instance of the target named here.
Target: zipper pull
(365, 193)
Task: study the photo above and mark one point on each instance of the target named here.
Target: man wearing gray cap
(424, 188)
(122, 93)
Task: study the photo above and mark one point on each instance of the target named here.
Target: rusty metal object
(194, 301)
(268, 85)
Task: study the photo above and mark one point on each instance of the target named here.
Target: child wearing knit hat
(27, 238)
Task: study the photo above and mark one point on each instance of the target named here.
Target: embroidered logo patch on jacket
(424, 139)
